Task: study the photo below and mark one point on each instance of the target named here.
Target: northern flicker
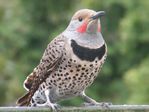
(69, 64)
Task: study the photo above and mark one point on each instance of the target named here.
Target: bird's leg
(91, 102)
(87, 99)
(48, 103)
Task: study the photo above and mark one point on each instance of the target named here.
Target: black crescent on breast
(85, 53)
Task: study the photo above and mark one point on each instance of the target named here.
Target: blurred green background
(27, 26)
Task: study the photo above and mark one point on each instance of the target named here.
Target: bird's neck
(94, 40)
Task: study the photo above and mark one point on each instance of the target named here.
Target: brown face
(83, 14)
(87, 24)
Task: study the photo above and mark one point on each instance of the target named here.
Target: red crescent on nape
(82, 28)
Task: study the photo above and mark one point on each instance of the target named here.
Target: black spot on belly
(87, 54)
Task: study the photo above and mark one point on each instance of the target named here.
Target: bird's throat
(83, 28)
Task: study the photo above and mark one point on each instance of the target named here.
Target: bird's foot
(101, 104)
(53, 106)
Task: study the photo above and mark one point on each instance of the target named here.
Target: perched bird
(69, 64)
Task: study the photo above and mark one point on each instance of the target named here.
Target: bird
(70, 63)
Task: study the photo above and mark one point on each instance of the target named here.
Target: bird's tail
(24, 100)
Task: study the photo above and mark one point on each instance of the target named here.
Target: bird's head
(86, 21)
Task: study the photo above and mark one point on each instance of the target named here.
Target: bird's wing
(49, 62)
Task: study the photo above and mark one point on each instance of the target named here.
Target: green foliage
(27, 26)
(137, 82)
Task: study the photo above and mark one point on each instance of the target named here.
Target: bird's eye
(80, 19)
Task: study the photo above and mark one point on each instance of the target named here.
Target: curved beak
(98, 14)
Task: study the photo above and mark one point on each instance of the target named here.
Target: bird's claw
(54, 107)
(101, 104)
